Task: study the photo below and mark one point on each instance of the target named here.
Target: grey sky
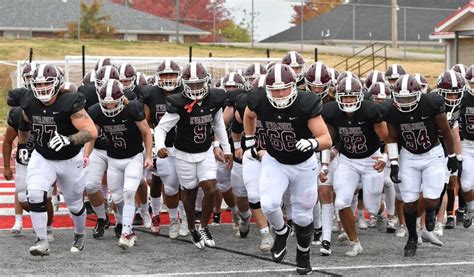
(273, 17)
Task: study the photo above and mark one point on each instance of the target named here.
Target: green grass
(425, 50)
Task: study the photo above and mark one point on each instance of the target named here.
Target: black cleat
(118, 230)
(410, 247)
(325, 249)
(89, 208)
(279, 246)
(430, 221)
(467, 219)
(216, 219)
(99, 228)
(450, 223)
(303, 265)
(317, 236)
(137, 220)
(107, 221)
(459, 216)
(197, 217)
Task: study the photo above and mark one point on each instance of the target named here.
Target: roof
(43, 15)
(455, 17)
(373, 21)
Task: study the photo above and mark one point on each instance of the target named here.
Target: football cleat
(147, 220)
(325, 249)
(467, 219)
(118, 230)
(99, 228)
(216, 219)
(17, 227)
(41, 248)
(410, 247)
(438, 231)
(174, 229)
(183, 229)
(155, 224)
(267, 242)
(459, 216)
(197, 239)
(317, 236)
(279, 246)
(244, 227)
(430, 237)
(450, 223)
(380, 223)
(401, 231)
(356, 249)
(303, 265)
(391, 223)
(207, 237)
(127, 241)
(361, 223)
(342, 236)
(78, 243)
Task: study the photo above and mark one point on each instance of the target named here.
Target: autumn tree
(93, 23)
(313, 8)
(196, 13)
(234, 32)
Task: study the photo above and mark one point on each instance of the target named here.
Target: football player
(413, 122)
(123, 124)
(294, 128)
(296, 62)
(60, 126)
(394, 72)
(197, 115)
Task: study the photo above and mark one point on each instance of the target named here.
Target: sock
(461, 202)
(182, 213)
(39, 221)
(450, 205)
(19, 218)
(100, 211)
(245, 215)
(470, 206)
(390, 195)
(173, 213)
(49, 228)
(118, 214)
(127, 218)
(411, 222)
(199, 197)
(144, 208)
(317, 215)
(264, 230)
(156, 205)
(326, 220)
(304, 236)
(276, 219)
(234, 210)
(79, 222)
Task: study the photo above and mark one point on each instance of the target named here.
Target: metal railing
(358, 61)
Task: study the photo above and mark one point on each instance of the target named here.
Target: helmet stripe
(349, 82)
(394, 69)
(41, 71)
(293, 57)
(375, 74)
(122, 69)
(405, 79)
(193, 68)
(257, 69)
(454, 80)
(278, 73)
(107, 72)
(167, 64)
(108, 92)
(261, 81)
(319, 66)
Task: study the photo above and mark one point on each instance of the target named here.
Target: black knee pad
(255, 206)
(39, 207)
(80, 212)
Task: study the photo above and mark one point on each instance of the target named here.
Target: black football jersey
(466, 118)
(155, 98)
(15, 95)
(416, 130)
(240, 105)
(284, 127)
(125, 139)
(194, 133)
(45, 120)
(15, 116)
(231, 96)
(453, 117)
(355, 136)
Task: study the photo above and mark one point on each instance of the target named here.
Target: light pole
(177, 21)
(252, 21)
(214, 3)
(302, 22)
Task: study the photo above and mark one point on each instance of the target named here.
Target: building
(48, 18)
(366, 21)
(456, 33)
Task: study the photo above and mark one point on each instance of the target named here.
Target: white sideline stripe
(7, 182)
(7, 190)
(318, 268)
(7, 199)
(11, 212)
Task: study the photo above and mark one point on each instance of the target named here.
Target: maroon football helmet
(281, 77)
(394, 72)
(380, 91)
(351, 88)
(374, 77)
(168, 75)
(102, 62)
(470, 75)
(334, 75)
(105, 73)
(127, 75)
(318, 79)
(270, 65)
(46, 82)
(89, 78)
(346, 74)
(27, 73)
(423, 83)
(259, 81)
(111, 97)
(67, 87)
(233, 81)
(460, 68)
(407, 93)
(451, 85)
(151, 80)
(141, 79)
(296, 62)
(253, 71)
(196, 81)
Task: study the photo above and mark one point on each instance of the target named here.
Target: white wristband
(383, 158)
(326, 156)
(459, 157)
(392, 149)
(237, 145)
(249, 141)
(451, 155)
(216, 144)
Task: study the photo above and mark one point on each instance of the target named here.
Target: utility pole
(214, 3)
(302, 22)
(177, 21)
(252, 21)
(394, 25)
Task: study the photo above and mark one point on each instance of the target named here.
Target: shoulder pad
(309, 103)
(94, 111)
(330, 110)
(373, 111)
(15, 95)
(175, 103)
(130, 94)
(435, 101)
(136, 110)
(72, 102)
(231, 96)
(217, 96)
(26, 100)
(255, 97)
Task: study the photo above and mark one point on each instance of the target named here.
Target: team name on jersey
(259, 124)
(470, 110)
(204, 119)
(43, 119)
(350, 131)
(279, 126)
(160, 108)
(412, 126)
(115, 128)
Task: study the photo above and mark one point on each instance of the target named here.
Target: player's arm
(381, 130)
(228, 114)
(87, 129)
(250, 122)
(321, 134)
(168, 121)
(147, 114)
(147, 139)
(392, 150)
(24, 129)
(10, 135)
(89, 146)
(220, 132)
(443, 126)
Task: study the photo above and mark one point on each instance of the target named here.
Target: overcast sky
(273, 15)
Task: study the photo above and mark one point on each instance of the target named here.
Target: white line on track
(319, 268)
